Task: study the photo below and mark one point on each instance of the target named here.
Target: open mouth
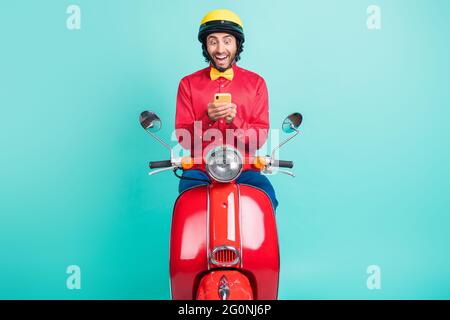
(221, 58)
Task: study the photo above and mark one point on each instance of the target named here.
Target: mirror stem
(285, 141)
(163, 143)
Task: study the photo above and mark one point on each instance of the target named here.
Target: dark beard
(220, 68)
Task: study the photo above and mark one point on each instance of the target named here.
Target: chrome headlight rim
(218, 150)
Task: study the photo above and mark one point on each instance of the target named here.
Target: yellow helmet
(221, 20)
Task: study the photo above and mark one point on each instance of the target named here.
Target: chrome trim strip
(241, 264)
(208, 256)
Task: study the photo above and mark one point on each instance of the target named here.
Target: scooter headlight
(224, 164)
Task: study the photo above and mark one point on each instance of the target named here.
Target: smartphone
(222, 98)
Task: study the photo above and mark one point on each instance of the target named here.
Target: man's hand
(231, 113)
(221, 110)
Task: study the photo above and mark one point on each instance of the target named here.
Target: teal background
(372, 183)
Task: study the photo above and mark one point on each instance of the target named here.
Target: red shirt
(248, 91)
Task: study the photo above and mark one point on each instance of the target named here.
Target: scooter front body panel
(259, 241)
(199, 225)
(188, 241)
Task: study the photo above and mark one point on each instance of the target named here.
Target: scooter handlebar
(283, 164)
(160, 164)
(168, 163)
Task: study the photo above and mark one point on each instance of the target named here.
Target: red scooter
(223, 243)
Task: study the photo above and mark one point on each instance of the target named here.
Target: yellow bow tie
(227, 74)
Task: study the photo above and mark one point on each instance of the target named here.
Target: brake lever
(162, 170)
(289, 173)
(269, 170)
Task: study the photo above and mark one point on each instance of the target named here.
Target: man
(222, 37)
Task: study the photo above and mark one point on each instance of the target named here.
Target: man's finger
(221, 110)
(220, 114)
(222, 106)
(231, 112)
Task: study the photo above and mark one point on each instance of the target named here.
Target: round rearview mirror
(150, 121)
(292, 122)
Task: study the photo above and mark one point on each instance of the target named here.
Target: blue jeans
(250, 177)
